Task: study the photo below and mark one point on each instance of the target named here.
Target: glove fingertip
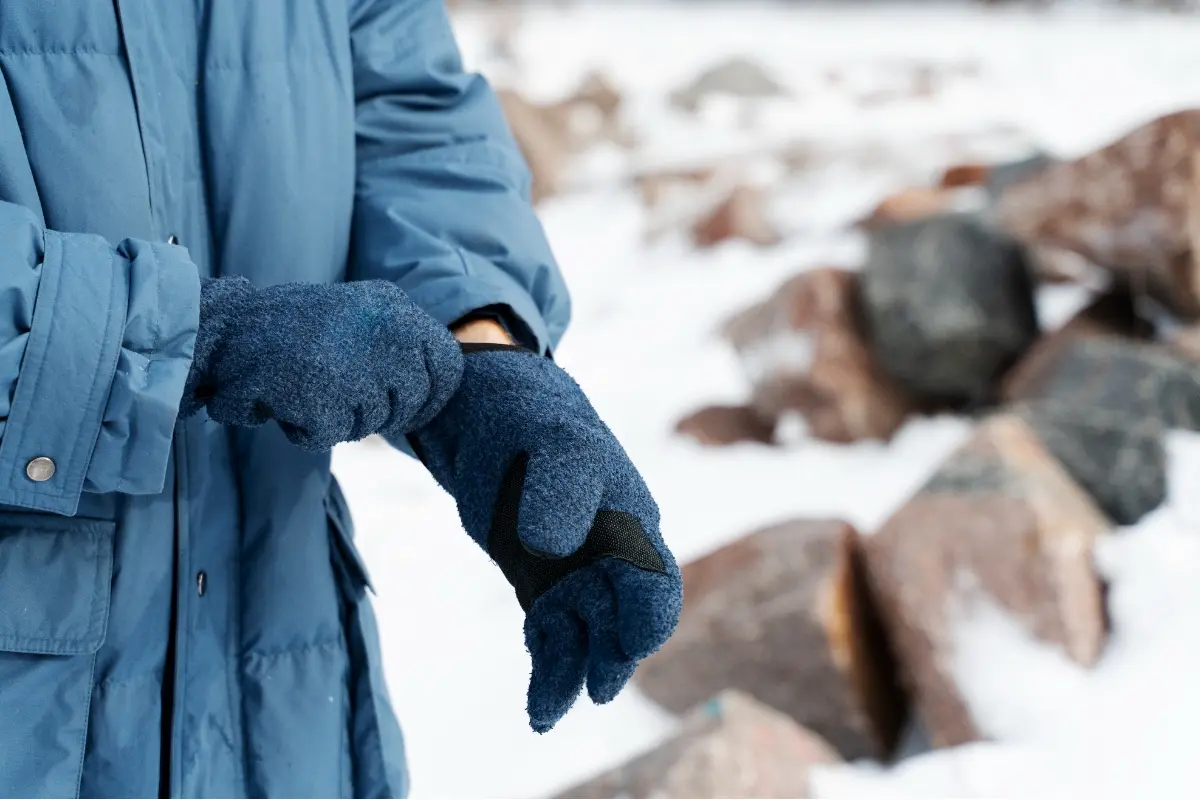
(648, 609)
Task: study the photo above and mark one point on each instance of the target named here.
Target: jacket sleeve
(442, 197)
(95, 344)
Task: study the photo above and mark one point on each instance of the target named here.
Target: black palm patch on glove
(614, 534)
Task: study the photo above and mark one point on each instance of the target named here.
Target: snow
(1123, 729)
(643, 345)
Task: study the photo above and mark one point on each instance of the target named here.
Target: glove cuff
(489, 347)
(220, 299)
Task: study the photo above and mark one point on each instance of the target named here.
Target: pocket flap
(55, 583)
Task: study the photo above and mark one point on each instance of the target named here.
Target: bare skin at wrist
(481, 331)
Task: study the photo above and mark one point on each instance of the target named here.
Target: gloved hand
(329, 363)
(545, 488)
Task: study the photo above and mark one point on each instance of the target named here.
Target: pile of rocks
(844, 639)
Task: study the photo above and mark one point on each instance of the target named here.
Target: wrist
(481, 331)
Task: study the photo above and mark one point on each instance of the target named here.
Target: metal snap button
(40, 469)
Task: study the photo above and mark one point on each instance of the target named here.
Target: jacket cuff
(108, 349)
(162, 317)
(450, 299)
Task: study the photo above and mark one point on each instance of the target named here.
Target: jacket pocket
(55, 586)
(377, 761)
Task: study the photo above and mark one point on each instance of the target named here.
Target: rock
(741, 215)
(544, 141)
(1001, 176)
(917, 202)
(592, 114)
(960, 175)
(550, 134)
(1122, 466)
(737, 77)
(1102, 405)
(1110, 314)
(949, 307)
(725, 425)
(804, 351)
(784, 615)
(1127, 207)
(1186, 341)
(1000, 520)
(731, 746)
(1056, 265)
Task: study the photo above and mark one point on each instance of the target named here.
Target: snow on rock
(1125, 728)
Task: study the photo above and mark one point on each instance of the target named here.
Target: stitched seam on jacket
(55, 291)
(113, 283)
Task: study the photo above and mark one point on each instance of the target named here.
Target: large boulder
(949, 307)
(804, 351)
(784, 615)
(1000, 521)
(1129, 206)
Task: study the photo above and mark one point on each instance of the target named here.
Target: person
(232, 235)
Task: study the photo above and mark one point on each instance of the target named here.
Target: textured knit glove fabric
(545, 488)
(328, 363)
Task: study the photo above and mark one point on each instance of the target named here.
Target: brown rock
(916, 202)
(964, 175)
(592, 114)
(1003, 520)
(732, 746)
(741, 215)
(784, 615)
(549, 134)
(804, 351)
(725, 425)
(543, 139)
(1127, 206)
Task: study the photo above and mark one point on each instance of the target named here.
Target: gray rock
(949, 307)
(1102, 408)
(1123, 467)
(738, 77)
(1001, 176)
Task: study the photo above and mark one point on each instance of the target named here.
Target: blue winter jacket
(181, 606)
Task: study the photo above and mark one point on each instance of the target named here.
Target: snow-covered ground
(642, 344)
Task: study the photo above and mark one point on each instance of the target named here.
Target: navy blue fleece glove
(545, 488)
(328, 363)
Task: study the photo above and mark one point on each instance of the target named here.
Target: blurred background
(893, 305)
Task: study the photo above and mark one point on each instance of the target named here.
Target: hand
(545, 488)
(329, 363)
